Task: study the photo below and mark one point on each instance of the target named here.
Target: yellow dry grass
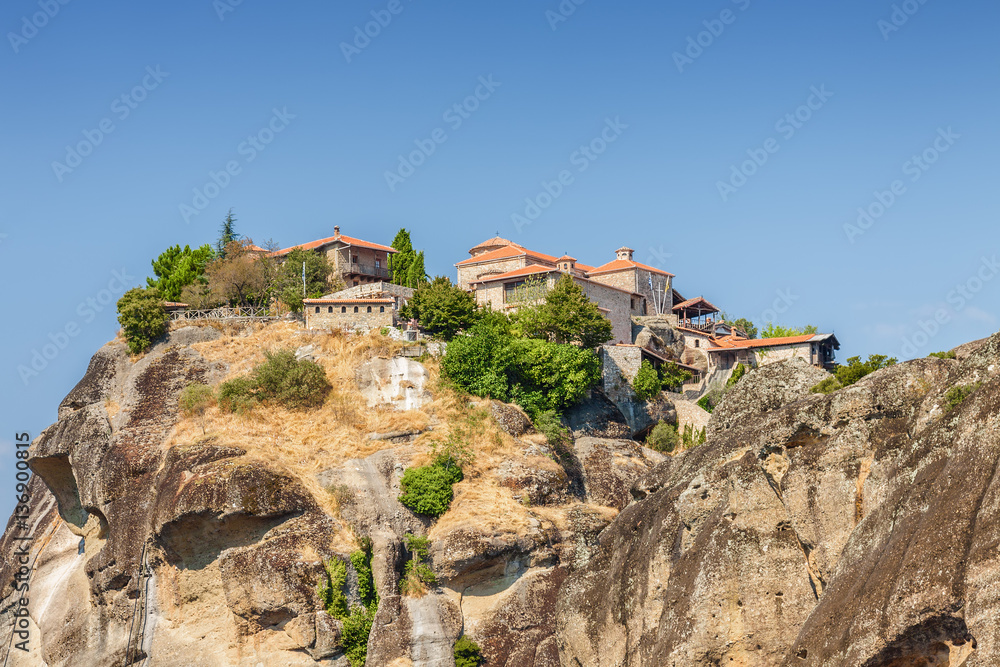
(307, 442)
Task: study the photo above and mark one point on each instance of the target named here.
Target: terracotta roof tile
(625, 264)
(760, 342)
(342, 302)
(347, 240)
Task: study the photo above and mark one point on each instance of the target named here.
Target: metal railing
(368, 270)
(224, 313)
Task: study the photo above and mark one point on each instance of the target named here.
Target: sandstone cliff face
(858, 528)
(158, 549)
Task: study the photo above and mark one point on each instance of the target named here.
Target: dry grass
(307, 442)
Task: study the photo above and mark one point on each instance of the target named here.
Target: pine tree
(416, 275)
(227, 234)
(401, 261)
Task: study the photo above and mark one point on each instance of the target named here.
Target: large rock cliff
(856, 528)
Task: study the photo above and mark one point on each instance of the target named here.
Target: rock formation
(856, 528)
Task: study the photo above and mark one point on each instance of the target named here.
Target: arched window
(369, 309)
(381, 309)
(343, 309)
(355, 309)
(329, 309)
(317, 309)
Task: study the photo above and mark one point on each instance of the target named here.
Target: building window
(343, 309)
(355, 309)
(329, 309)
(381, 309)
(354, 260)
(378, 263)
(317, 309)
(697, 343)
(369, 309)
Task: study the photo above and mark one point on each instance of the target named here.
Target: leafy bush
(238, 395)
(739, 370)
(855, 369)
(331, 589)
(705, 404)
(362, 562)
(280, 379)
(357, 622)
(773, 330)
(357, 627)
(467, 653)
(427, 489)
(143, 318)
(954, 396)
(195, 400)
(550, 425)
(537, 375)
(673, 376)
(943, 355)
(827, 386)
(692, 438)
(418, 574)
(647, 384)
(663, 437)
(566, 316)
(441, 308)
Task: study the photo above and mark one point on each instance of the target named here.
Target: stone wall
(368, 316)
(617, 303)
(373, 290)
(467, 274)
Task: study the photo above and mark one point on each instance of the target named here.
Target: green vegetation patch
(143, 318)
(356, 621)
(428, 489)
(950, 354)
(663, 437)
(467, 653)
(827, 386)
(957, 394)
(280, 379)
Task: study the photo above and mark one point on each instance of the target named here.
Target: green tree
(416, 274)
(746, 326)
(400, 262)
(442, 308)
(647, 383)
(175, 269)
(663, 437)
(289, 281)
(672, 376)
(467, 653)
(142, 317)
(773, 330)
(227, 234)
(855, 369)
(538, 375)
(567, 316)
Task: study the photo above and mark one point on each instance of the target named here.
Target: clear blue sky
(680, 127)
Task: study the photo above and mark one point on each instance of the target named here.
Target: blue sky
(141, 103)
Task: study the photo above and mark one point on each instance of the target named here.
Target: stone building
(355, 261)
(498, 270)
(351, 314)
(817, 349)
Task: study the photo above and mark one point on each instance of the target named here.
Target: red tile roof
(346, 240)
(759, 342)
(507, 253)
(625, 264)
(516, 273)
(691, 302)
(494, 242)
(342, 302)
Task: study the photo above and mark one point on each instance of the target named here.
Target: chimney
(625, 253)
(336, 230)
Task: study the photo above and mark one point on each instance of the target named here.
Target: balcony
(368, 271)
